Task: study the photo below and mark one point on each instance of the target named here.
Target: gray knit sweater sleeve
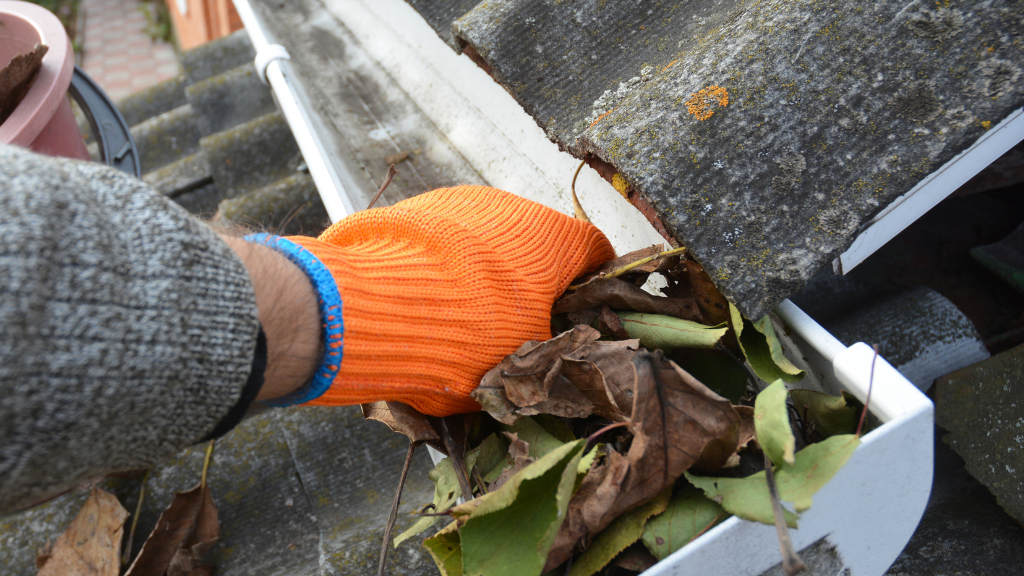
(127, 327)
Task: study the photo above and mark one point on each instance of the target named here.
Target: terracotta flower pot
(43, 121)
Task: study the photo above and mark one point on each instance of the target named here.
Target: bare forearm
(289, 315)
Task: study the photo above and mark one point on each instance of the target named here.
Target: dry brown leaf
(189, 524)
(519, 454)
(627, 259)
(747, 432)
(91, 546)
(609, 322)
(622, 295)
(589, 506)
(676, 423)
(690, 280)
(16, 79)
(527, 370)
(401, 418)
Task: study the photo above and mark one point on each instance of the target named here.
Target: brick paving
(117, 53)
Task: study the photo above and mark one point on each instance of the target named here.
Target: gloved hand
(422, 298)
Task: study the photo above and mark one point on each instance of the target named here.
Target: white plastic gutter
(934, 188)
(274, 70)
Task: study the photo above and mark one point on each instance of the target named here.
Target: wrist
(288, 312)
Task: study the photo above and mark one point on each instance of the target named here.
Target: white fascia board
(934, 188)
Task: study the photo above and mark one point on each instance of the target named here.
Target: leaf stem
(387, 180)
(791, 562)
(594, 436)
(867, 399)
(126, 555)
(620, 271)
(394, 510)
(576, 206)
(206, 463)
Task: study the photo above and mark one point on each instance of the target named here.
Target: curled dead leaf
(188, 524)
(401, 418)
(91, 545)
(622, 295)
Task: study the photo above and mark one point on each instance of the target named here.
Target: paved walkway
(117, 53)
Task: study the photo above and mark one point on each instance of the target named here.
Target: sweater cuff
(329, 302)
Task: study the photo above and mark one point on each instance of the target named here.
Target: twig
(867, 399)
(620, 271)
(479, 480)
(387, 180)
(206, 463)
(126, 555)
(576, 207)
(458, 463)
(394, 511)
(791, 563)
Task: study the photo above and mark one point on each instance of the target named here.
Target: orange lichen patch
(704, 103)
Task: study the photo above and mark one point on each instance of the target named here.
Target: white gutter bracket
(265, 56)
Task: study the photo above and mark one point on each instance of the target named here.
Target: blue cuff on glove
(329, 301)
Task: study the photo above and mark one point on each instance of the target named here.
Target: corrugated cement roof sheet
(764, 133)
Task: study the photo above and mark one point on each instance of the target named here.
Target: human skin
(287, 309)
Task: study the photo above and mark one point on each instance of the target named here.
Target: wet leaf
(91, 545)
(719, 373)
(695, 281)
(748, 497)
(622, 295)
(657, 331)
(446, 493)
(689, 514)
(762, 349)
(510, 530)
(555, 426)
(771, 420)
(625, 530)
(445, 548)
(831, 415)
(189, 523)
(677, 421)
(401, 418)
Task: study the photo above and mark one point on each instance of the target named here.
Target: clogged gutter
(641, 412)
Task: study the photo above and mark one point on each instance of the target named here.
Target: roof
(212, 140)
(765, 134)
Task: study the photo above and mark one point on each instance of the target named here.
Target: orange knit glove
(434, 292)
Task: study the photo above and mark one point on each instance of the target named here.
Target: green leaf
(509, 532)
(446, 492)
(689, 514)
(656, 331)
(771, 423)
(831, 415)
(446, 549)
(555, 426)
(540, 440)
(748, 497)
(719, 373)
(625, 530)
(488, 455)
(762, 349)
